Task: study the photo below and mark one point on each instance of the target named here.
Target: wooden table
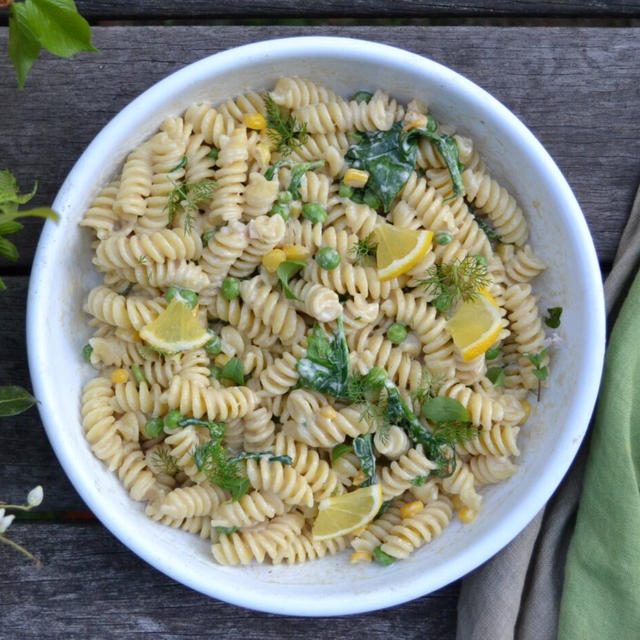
(577, 88)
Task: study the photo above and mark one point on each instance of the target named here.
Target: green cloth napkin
(601, 595)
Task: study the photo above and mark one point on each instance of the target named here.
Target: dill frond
(364, 250)
(285, 132)
(187, 197)
(163, 462)
(460, 280)
(453, 433)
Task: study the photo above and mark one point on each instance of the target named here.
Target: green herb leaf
(258, 455)
(285, 271)
(233, 370)
(9, 227)
(418, 481)
(180, 165)
(444, 409)
(383, 509)
(8, 249)
(15, 400)
(553, 317)
(326, 365)
(363, 448)
(226, 531)
(488, 229)
(297, 172)
(340, 450)
(455, 432)
(285, 131)
(188, 196)
(454, 281)
(59, 27)
(492, 353)
(382, 558)
(364, 250)
(496, 375)
(24, 47)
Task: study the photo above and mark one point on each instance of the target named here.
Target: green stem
(21, 549)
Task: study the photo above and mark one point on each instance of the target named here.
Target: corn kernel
(527, 411)
(355, 178)
(221, 359)
(360, 556)
(272, 259)
(255, 121)
(264, 153)
(457, 503)
(467, 515)
(120, 376)
(414, 120)
(411, 508)
(295, 252)
(361, 476)
(295, 208)
(328, 412)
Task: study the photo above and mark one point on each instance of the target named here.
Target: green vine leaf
(14, 400)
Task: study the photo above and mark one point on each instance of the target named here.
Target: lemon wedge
(175, 329)
(343, 514)
(399, 249)
(475, 325)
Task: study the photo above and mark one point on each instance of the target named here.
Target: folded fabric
(517, 593)
(601, 596)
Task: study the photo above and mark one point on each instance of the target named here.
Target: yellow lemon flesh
(399, 249)
(475, 325)
(343, 514)
(175, 329)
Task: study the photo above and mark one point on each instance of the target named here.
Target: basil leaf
(59, 27)
(553, 318)
(285, 271)
(339, 450)
(15, 400)
(496, 375)
(234, 371)
(444, 409)
(363, 448)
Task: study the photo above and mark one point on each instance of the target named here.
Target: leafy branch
(55, 25)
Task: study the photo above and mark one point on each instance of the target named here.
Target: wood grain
(91, 586)
(354, 9)
(577, 89)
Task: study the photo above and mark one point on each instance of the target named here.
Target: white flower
(35, 496)
(5, 521)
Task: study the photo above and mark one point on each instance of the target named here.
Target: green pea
(214, 346)
(481, 260)
(153, 428)
(328, 258)
(172, 418)
(345, 191)
(397, 333)
(285, 197)
(376, 376)
(190, 297)
(87, 350)
(362, 96)
(230, 288)
(314, 212)
(207, 235)
(443, 237)
(280, 209)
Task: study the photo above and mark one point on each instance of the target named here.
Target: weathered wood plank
(91, 586)
(579, 85)
(355, 9)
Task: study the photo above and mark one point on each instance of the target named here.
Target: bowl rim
(506, 529)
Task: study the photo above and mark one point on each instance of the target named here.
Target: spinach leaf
(15, 400)
(363, 448)
(325, 368)
(444, 409)
(285, 271)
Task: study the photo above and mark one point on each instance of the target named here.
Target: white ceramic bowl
(62, 276)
